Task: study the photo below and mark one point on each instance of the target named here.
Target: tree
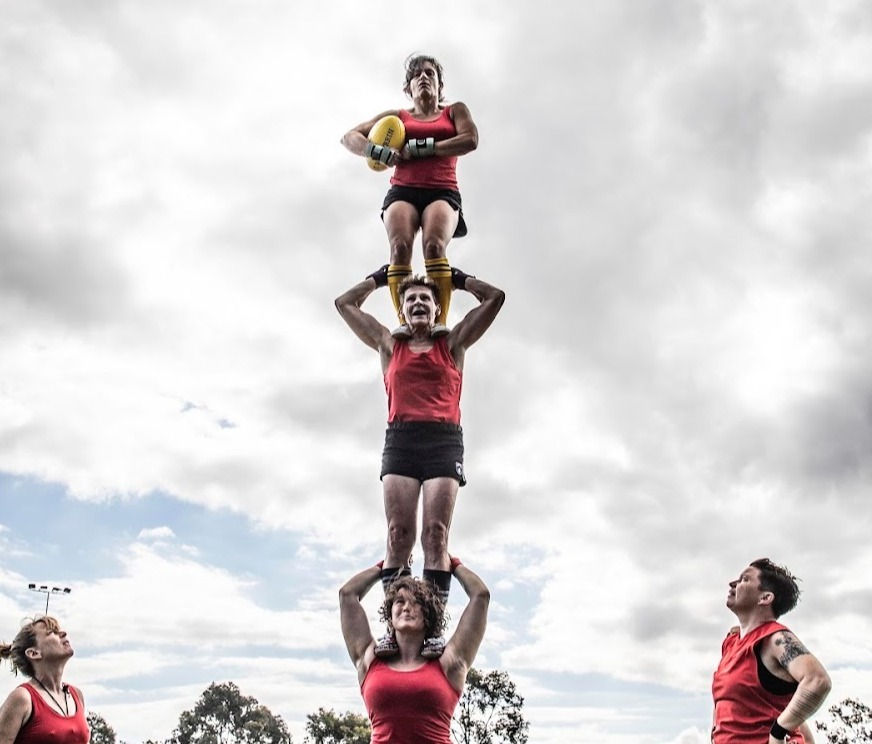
(851, 724)
(326, 727)
(489, 711)
(101, 732)
(223, 715)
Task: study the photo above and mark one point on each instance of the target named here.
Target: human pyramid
(767, 683)
(411, 678)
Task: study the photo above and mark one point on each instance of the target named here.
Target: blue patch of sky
(75, 541)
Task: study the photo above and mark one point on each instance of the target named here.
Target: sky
(674, 196)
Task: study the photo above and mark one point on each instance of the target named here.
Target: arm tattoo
(790, 648)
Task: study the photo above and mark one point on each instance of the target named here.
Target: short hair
(425, 595)
(778, 580)
(413, 64)
(25, 639)
(416, 280)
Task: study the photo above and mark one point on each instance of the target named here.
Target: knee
(401, 537)
(434, 247)
(401, 250)
(434, 537)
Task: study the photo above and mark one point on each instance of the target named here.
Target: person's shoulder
(77, 691)
(20, 698)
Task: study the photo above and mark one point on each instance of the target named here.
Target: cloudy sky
(675, 197)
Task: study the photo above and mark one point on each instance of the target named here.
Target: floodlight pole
(44, 589)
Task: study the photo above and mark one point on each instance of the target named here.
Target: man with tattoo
(767, 683)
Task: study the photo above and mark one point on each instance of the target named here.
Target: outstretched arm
(364, 325)
(813, 681)
(479, 319)
(461, 649)
(355, 626)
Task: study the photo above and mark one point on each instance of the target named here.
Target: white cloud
(674, 197)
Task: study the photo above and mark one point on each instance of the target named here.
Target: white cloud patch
(674, 197)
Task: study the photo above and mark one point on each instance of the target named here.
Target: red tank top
(744, 710)
(433, 172)
(423, 387)
(409, 707)
(48, 726)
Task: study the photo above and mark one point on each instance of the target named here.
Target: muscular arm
(466, 139)
(355, 626)
(461, 649)
(478, 320)
(364, 325)
(355, 139)
(14, 714)
(791, 656)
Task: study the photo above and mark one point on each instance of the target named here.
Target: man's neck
(752, 620)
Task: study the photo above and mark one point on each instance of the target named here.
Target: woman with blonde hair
(43, 710)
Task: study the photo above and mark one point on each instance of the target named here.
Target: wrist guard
(379, 153)
(379, 276)
(422, 148)
(778, 731)
(458, 278)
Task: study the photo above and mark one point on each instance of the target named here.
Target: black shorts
(422, 198)
(424, 450)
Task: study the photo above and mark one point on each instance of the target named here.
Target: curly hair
(778, 580)
(415, 280)
(413, 65)
(25, 639)
(433, 608)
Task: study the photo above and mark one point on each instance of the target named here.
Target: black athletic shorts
(424, 450)
(422, 198)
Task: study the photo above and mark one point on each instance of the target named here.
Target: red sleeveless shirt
(433, 172)
(423, 387)
(744, 710)
(409, 707)
(49, 726)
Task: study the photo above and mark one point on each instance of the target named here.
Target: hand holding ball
(386, 136)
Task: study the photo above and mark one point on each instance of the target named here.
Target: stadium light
(48, 591)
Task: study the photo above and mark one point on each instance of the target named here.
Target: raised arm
(479, 319)
(364, 325)
(812, 679)
(460, 651)
(355, 626)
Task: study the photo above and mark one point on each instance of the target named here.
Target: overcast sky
(675, 197)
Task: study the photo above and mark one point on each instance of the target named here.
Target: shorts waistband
(423, 426)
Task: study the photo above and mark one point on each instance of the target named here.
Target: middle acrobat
(423, 451)
(424, 192)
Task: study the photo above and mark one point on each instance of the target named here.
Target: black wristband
(379, 276)
(778, 731)
(458, 278)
